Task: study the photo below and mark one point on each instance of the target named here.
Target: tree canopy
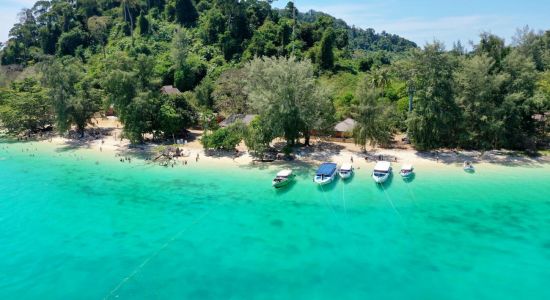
(67, 61)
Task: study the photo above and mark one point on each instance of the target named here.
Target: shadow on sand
(498, 157)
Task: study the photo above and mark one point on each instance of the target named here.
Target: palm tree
(379, 79)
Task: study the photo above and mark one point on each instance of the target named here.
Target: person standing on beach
(197, 158)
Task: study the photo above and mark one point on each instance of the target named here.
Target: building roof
(407, 167)
(346, 167)
(246, 119)
(382, 166)
(284, 173)
(541, 117)
(345, 126)
(170, 90)
(326, 169)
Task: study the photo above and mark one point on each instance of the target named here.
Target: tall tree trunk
(131, 25)
(307, 137)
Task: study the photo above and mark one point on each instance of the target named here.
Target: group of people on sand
(380, 157)
(172, 162)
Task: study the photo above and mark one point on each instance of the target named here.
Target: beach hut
(170, 90)
(344, 129)
(245, 119)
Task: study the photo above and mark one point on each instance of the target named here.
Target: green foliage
(344, 86)
(228, 94)
(224, 138)
(99, 30)
(25, 107)
(143, 24)
(477, 95)
(141, 116)
(486, 98)
(372, 116)
(190, 74)
(433, 121)
(74, 98)
(176, 114)
(326, 52)
(70, 41)
(258, 136)
(186, 13)
(287, 97)
(203, 93)
(264, 42)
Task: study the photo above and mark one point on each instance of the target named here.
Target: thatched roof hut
(246, 119)
(345, 126)
(170, 90)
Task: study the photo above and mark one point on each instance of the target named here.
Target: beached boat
(283, 178)
(325, 174)
(346, 171)
(468, 166)
(382, 171)
(406, 171)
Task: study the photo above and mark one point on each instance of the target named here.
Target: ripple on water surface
(74, 229)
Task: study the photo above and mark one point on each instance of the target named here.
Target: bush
(69, 41)
(224, 138)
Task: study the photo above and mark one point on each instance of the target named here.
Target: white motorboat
(325, 174)
(346, 171)
(406, 171)
(468, 166)
(382, 171)
(283, 178)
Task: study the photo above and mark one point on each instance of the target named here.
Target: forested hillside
(299, 71)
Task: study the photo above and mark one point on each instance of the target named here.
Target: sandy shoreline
(108, 144)
(115, 149)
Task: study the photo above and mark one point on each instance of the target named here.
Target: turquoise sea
(79, 227)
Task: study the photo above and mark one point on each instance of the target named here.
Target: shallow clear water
(74, 229)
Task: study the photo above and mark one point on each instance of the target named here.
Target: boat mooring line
(344, 198)
(393, 206)
(338, 223)
(329, 203)
(148, 259)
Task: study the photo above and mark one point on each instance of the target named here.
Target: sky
(421, 21)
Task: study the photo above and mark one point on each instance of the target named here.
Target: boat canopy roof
(407, 167)
(284, 173)
(326, 169)
(346, 167)
(382, 166)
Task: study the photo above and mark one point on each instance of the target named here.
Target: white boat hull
(324, 181)
(405, 174)
(380, 179)
(280, 184)
(345, 175)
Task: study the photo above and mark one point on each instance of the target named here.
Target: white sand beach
(110, 144)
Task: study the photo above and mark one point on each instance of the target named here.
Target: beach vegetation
(287, 96)
(25, 106)
(225, 138)
(258, 137)
(372, 114)
(301, 72)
